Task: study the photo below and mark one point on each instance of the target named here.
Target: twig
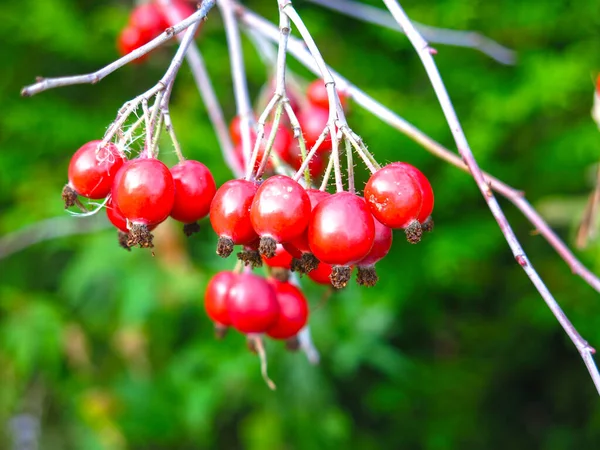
(422, 50)
(44, 84)
(457, 38)
(296, 48)
(238, 73)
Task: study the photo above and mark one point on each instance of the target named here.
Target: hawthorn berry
(282, 258)
(144, 192)
(92, 169)
(317, 95)
(313, 120)
(215, 300)
(129, 40)
(230, 215)
(382, 242)
(148, 19)
(194, 190)
(316, 165)
(282, 141)
(252, 304)
(177, 11)
(280, 212)
(395, 198)
(424, 216)
(304, 261)
(321, 274)
(293, 310)
(341, 233)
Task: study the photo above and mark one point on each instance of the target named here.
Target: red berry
(116, 216)
(194, 190)
(426, 190)
(293, 310)
(341, 229)
(321, 274)
(215, 297)
(282, 141)
(317, 95)
(92, 169)
(281, 259)
(280, 212)
(394, 196)
(317, 163)
(148, 19)
(129, 40)
(230, 214)
(252, 304)
(312, 121)
(144, 191)
(300, 244)
(177, 11)
(382, 243)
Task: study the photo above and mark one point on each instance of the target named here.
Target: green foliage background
(453, 348)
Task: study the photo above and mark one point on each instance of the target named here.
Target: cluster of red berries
(149, 20)
(140, 193)
(255, 305)
(340, 230)
(312, 116)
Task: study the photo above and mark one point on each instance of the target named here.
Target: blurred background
(454, 348)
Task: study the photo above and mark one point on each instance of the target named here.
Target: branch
(238, 73)
(44, 84)
(422, 50)
(468, 39)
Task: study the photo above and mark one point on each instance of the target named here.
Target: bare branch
(238, 73)
(457, 38)
(422, 50)
(92, 78)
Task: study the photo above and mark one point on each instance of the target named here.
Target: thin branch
(457, 38)
(44, 84)
(213, 108)
(298, 50)
(422, 50)
(238, 73)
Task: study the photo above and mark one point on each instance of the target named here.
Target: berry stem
(311, 154)
(172, 135)
(369, 162)
(270, 140)
(350, 163)
(301, 142)
(326, 175)
(262, 355)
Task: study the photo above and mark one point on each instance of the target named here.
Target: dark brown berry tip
(292, 344)
(191, 228)
(139, 234)
(309, 261)
(340, 275)
(267, 247)
(69, 196)
(297, 266)
(367, 276)
(250, 258)
(414, 232)
(280, 274)
(220, 331)
(124, 240)
(224, 247)
(427, 226)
